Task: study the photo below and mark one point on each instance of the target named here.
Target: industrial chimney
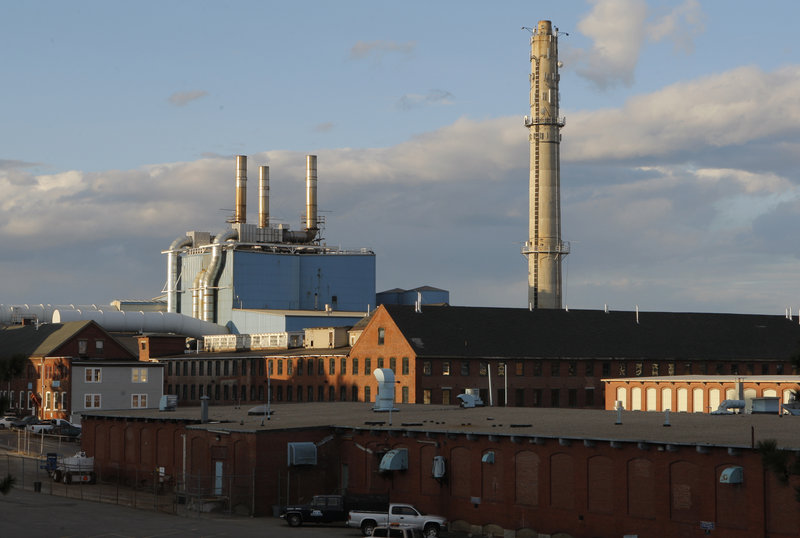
(544, 248)
(263, 196)
(241, 189)
(311, 192)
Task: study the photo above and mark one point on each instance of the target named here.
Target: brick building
(697, 393)
(513, 471)
(558, 358)
(49, 352)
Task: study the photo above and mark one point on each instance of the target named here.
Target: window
(367, 366)
(606, 369)
(654, 369)
(169, 369)
(185, 368)
(343, 393)
(380, 362)
(354, 393)
(555, 398)
(638, 367)
(355, 365)
(310, 366)
(519, 397)
(300, 366)
(537, 368)
(332, 366)
(216, 392)
(589, 396)
(720, 368)
(139, 401)
(226, 393)
(464, 367)
(91, 401)
(234, 368)
(381, 335)
(98, 346)
(393, 364)
(555, 369)
(588, 368)
(405, 394)
(519, 368)
(446, 396)
(483, 368)
(572, 368)
(445, 368)
(310, 393)
(56, 401)
(342, 366)
(194, 368)
(367, 394)
(83, 346)
(270, 369)
(331, 393)
(426, 367)
(64, 400)
(47, 402)
(225, 367)
(572, 397)
(320, 367)
(261, 390)
(735, 369)
(321, 393)
(622, 369)
(289, 367)
(426, 396)
(280, 366)
(93, 375)
(764, 369)
(778, 369)
(139, 375)
(279, 393)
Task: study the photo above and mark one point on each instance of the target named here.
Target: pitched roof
(40, 342)
(454, 331)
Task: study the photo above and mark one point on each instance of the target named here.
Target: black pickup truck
(331, 508)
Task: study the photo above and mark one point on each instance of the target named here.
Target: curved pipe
(212, 272)
(127, 321)
(173, 269)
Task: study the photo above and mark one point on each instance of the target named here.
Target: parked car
(398, 514)
(331, 508)
(24, 422)
(6, 422)
(65, 429)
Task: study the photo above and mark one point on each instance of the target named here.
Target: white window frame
(93, 375)
(94, 401)
(48, 403)
(56, 400)
(139, 375)
(138, 401)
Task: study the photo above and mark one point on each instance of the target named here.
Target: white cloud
(681, 25)
(433, 97)
(617, 30)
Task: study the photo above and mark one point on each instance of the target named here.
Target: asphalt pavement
(30, 514)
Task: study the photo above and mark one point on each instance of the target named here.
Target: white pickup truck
(48, 425)
(398, 514)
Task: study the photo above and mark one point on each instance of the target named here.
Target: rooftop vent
(301, 454)
(169, 402)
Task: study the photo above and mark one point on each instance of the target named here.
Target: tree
(777, 461)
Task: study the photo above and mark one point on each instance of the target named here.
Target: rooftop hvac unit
(732, 475)
(168, 402)
(394, 460)
(385, 399)
(439, 467)
(302, 454)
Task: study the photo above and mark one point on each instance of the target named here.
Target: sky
(680, 158)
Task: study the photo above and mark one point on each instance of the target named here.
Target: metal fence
(25, 458)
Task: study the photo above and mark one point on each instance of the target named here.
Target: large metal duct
(263, 196)
(173, 269)
(42, 312)
(157, 322)
(241, 189)
(212, 272)
(197, 298)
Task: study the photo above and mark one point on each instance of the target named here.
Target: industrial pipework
(544, 248)
(241, 189)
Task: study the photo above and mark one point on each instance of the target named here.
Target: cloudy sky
(119, 123)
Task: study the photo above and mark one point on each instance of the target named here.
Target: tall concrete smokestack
(263, 196)
(544, 247)
(311, 192)
(241, 189)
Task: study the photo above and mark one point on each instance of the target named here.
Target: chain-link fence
(36, 463)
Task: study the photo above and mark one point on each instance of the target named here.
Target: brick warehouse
(553, 358)
(523, 470)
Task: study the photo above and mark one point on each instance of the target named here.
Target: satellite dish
(560, 64)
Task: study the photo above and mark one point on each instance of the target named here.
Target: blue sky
(119, 123)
